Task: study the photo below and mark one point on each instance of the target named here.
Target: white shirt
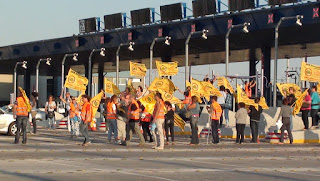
(222, 100)
(48, 106)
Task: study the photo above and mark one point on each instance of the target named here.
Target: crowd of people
(124, 114)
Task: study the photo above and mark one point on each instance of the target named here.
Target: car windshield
(5, 109)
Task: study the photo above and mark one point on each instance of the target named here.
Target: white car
(8, 124)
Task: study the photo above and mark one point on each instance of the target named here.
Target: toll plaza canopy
(294, 41)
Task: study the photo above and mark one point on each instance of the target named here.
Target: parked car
(8, 123)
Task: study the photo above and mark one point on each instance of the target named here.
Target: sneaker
(159, 148)
(86, 143)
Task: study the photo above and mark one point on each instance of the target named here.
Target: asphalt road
(53, 155)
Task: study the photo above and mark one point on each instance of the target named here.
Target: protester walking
(285, 113)
(133, 123)
(107, 100)
(241, 120)
(169, 122)
(315, 107)
(86, 118)
(255, 115)
(145, 123)
(222, 101)
(50, 111)
(194, 109)
(158, 119)
(122, 109)
(74, 111)
(216, 112)
(305, 109)
(34, 110)
(112, 118)
(20, 113)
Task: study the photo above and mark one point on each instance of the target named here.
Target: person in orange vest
(187, 95)
(20, 113)
(73, 114)
(248, 87)
(145, 123)
(216, 112)
(112, 118)
(158, 119)
(86, 116)
(133, 123)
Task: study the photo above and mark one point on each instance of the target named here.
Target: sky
(30, 20)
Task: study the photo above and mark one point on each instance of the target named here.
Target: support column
(266, 52)
(86, 74)
(252, 68)
(27, 81)
(100, 76)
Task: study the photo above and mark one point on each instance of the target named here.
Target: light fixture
(102, 52)
(75, 57)
(167, 41)
(204, 34)
(48, 61)
(298, 22)
(24, 64)
(131, 46)
(245, 27)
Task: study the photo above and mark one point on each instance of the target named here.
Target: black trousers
(240, 133)
(221, 118)
(34, 123)
(214, 130)
(305, 116)
(21, 123)
(286, 126)
(315, 117)
(146, 130)
(254, 125)
(167, 127)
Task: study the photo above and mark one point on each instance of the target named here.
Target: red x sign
(130, 36)
(315, 13)
(270, 18)
(160, 32)
(193, 28)
(229, 23)
(102, 40)
(76, 42)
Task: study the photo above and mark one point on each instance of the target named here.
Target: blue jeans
(194, 130)
(21, 124)
(226, 116)
(52, 123)
(113, 128)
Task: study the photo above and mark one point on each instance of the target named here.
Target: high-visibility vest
(134, 114)
(216, 113)
(161, 111)
(110, 112)
(73, 109)
(147, 116)
(21, 107)
(248, 91)
(187, 99)
(85, 113)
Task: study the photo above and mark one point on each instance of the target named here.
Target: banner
(162, 84)
(263, 103)
(26, 99)
(137, 69)
(148, 102)
(110, 87)
(76, 81)
(222, 81)
(310, 72)
(169, 97)
(79, 99)
(242, 97)
(196, 88)
(167, 68)
(284, 89)
(178, 121)
(210, 90)
(95, 103)
(298, 103)
(318, 88)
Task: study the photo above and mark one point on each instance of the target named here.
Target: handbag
(305, 105)
(51, 114)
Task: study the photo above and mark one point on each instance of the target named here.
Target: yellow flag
(167, 68)
(110, 87)
(76, 81)
(242, 97)
(318, 87)
(210, 90)
(132, 89)
(188, 83)
(26, 99)
(197, 89)
(148, 102)
(263, 103)
(162, 84)
(223, 81)
(284, 89)
(178, 121)
(137, 69)
(79, 100)
(310, 72)
(95, 103)
(166, 96)
(298, 103)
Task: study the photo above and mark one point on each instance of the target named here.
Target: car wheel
(12, 130)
